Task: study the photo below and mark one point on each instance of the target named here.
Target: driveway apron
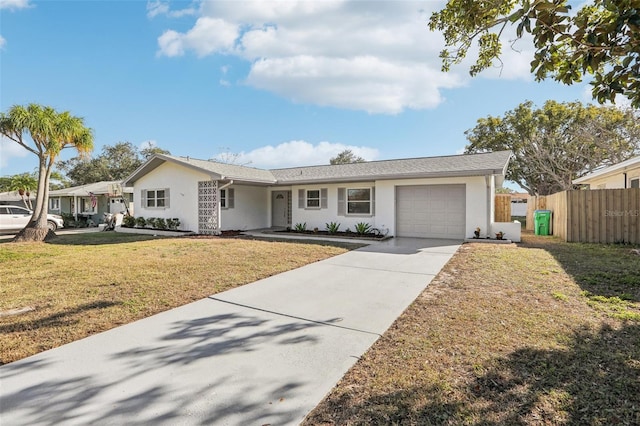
(264, 353)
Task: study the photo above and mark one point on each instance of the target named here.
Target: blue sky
(282, 83)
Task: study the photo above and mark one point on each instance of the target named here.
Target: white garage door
(430, 211)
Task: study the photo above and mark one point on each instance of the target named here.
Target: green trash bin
(542, 222)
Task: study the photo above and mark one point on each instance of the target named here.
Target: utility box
(542, 222)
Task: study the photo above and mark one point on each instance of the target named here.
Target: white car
(14, 218)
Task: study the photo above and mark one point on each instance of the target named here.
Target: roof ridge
(391, 159)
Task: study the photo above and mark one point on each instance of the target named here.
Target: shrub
(141, 222)
(151, 222)
(300, 227)
(173, 224)
(362, 228)
(68, 220)
(160, 223)
(332, 227)
(129, 221)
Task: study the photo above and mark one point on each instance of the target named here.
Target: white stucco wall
(615, 180)
(512, 230)
(320, 217)
(478, 213)
(609, 182)
(250, 211)
(183, 194)
(252, 204)
(475, 202)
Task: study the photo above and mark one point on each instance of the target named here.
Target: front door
(280, 208)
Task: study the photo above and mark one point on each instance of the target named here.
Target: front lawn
(78, 285)
(544, 332)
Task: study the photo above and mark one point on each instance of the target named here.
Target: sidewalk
(264, 353)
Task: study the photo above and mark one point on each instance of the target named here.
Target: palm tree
(49, 132)
(24, 183)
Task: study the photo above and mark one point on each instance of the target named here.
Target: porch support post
(487, 179)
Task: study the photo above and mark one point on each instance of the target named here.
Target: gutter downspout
(487, 180)
(625, 180)
(226, 185)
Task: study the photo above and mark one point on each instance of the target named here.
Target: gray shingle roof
(97, 188)
(228, 171)
(446, 166)
(214, 169)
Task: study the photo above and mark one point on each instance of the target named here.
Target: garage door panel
(431, 211)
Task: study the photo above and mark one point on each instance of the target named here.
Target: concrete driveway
(264, 353)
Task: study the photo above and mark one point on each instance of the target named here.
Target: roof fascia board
(370, 178)
(609, 171)
(159, 159)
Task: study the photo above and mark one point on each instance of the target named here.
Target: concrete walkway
(264, 353)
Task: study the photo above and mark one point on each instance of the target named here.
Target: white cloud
(377, 56)
(362, 83)
(621, 101)
(148, 144)
(14, 4)
(159, 7)
(10, 149)
(299, 153)
(209, 35)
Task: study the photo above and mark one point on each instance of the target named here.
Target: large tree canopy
(602, 39)
(115, 163)
(44, 132)
(557, 143)
(345, 157)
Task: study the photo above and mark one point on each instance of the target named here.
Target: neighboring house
(436, 197)
(91, 201)
(15, 199)
(519, 203)
(619, 176)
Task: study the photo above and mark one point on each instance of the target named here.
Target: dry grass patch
(505, 335)
(83, 284)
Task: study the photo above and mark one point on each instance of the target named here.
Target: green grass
(507, 335)
(83, 284)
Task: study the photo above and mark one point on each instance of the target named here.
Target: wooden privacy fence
(592, 216)
(502, 208)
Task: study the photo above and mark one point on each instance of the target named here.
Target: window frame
(368, 202)
(54, 204)
(314, 200)
(155, 198)
(227, 198)
(85, 206)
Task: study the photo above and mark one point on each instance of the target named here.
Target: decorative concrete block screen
(208, 207)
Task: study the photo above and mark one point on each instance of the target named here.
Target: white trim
(369, 202)
(620, 167)
(155, 199)
(223, 199)
(307, 199)
(86, 202)
(56, 201)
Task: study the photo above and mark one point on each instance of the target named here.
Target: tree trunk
(42, 172)
(41, 207)
(37, 229)
(33, 234)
